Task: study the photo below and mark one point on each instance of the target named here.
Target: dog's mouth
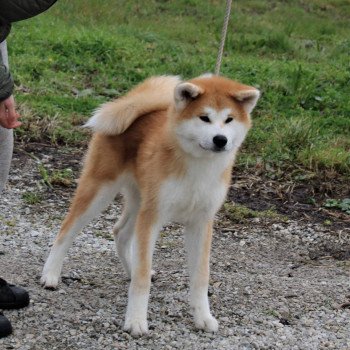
(213, 149)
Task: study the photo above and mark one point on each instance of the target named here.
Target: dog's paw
(208, 324)
(49, 280)
(136, 327)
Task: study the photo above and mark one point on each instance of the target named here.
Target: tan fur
(205, 257)
(221, 93)
(152, 95)
(226, 175)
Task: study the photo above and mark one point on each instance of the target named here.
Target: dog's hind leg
(198, 242)
(124, 229)
(91, 198)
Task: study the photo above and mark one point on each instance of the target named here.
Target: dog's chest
(198, 194)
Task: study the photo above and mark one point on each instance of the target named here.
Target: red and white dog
(168, 146)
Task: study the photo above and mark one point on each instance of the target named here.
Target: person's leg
(11, 297)
(6, 148)
(6, 136)
(3, 53)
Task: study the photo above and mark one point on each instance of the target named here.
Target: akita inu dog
(168, 146)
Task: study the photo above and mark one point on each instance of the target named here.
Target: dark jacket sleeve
(17, 10)
(12, 11)
(6, 82)
(4, 29)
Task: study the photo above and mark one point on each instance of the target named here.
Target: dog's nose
(220, 141)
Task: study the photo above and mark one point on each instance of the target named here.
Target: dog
(168, 146)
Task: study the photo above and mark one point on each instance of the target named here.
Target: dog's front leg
(145, 237)
(198, 237)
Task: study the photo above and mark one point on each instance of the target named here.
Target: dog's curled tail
(113, 118)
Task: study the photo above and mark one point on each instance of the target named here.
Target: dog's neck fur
(198, 185)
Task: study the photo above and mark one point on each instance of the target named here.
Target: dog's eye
(204, 118)
(228, 120)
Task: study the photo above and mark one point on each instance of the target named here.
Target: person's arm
(6, 82)
(8, 115)
(18, 10)
(12, 11)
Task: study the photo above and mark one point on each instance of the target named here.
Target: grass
(50, 178)
(343, 205)
(32, 198)
(79, 54)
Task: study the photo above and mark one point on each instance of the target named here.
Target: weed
(32, 198)
(10, 223)
(56, 177)
(62, 177)
(240, 213)
(105, 235)
(45, 177)
(272, 313)
(340, 204)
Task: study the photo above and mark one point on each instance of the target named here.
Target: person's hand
(8, 115)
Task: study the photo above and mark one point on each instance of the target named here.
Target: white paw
(49, 280)
(136, 327)
(207, 323)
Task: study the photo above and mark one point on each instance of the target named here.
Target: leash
(223, 36)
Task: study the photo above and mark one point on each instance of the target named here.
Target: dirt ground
(278, 281)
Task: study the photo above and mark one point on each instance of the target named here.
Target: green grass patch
(78, 55)
(340, 204)
(32, 198)
(52, 178)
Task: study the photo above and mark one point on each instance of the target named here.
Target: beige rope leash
(223, 36)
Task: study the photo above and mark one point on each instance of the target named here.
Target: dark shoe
(12, 297)
(5, 326)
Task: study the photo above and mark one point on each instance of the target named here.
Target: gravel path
(273, 286)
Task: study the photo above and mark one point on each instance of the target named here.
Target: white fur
(195, 234)
(196, 136)
(136, 314)
(197, 194)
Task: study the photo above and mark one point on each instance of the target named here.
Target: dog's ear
(247, 98)
(185, 93)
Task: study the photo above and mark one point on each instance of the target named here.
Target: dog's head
(212, 114)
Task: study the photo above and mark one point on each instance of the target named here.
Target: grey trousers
(6, 137)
